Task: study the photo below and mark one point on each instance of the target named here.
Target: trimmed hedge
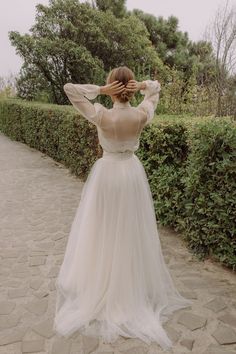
(209, 218)
(53, 129)
(190, 163)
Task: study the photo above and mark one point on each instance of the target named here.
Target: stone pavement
(38, 200)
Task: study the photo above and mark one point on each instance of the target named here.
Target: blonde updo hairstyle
(122, 74)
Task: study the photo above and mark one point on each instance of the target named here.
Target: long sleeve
(79, 95)
(151, 98)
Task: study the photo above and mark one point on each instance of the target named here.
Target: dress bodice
(120, 127)
(113, 145)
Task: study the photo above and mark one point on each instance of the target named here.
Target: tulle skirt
(113, 280)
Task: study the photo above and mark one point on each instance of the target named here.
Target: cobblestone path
(38, 200)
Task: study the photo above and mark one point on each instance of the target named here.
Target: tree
(222, 33)
(79, 43)
(8, 86)
(177, 51)
(117, 7)
(204, 58)
(171, 44)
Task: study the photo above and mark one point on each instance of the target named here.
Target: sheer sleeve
(79, 95)
(151, 98)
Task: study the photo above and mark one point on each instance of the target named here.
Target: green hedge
(190, 163)
(209, 218)
(55, 130)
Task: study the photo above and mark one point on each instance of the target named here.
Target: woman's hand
(112, 89)
(134, 86)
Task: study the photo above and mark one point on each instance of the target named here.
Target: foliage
(163, 151)
(176, 50)
(54, 130)
(74, 42)
(117, 7)
(210, 191)
(81, 42)
(190, 164)
(7, 86)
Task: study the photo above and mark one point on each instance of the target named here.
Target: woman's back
(120, 127)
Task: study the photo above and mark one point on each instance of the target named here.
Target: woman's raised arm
(79, 95)
(151, 91)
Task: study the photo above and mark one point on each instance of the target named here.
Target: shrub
(57, 131)
(163, 152)
(210, 191)
(190, 164)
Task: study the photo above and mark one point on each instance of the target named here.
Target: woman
(113, 280)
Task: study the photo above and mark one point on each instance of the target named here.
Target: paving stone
(39, 253)
(172, 333)
(36, 283)
(133, 350)
(192, 321)
(33, 346)
(187, 343)
(6, 307)
(224, 335)
(36, 261)
(123, 344)
(45, 328)
(76, 348)
(10, 253)
(195, 283)
(40, 237)
(15, 293)
(9, 321)
(35, 271)
(51, 285)
(189, 294)
(216, 305)
(23, 259)
(177, 266)
(229, 319)
(37, 307)
(57, 252)
(53, 272)
(89, 344)
(20, 268)
(216, 349)
(58, 236)
(22, 275)
(59, 261)
(12, 283)
(16, 335)
(45, 245)
(42, 293)
(61, 346)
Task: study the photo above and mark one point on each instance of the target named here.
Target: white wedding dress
(113, 280)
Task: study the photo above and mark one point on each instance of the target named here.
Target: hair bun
(122, 74)
(125, 96)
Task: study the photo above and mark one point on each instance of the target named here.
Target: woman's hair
(122, 74)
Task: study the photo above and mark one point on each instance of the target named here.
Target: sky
(19, 15)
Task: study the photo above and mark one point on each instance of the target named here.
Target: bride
(113, 279)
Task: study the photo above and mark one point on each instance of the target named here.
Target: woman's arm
(80, 94)
(149, 88)
(151, 91)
